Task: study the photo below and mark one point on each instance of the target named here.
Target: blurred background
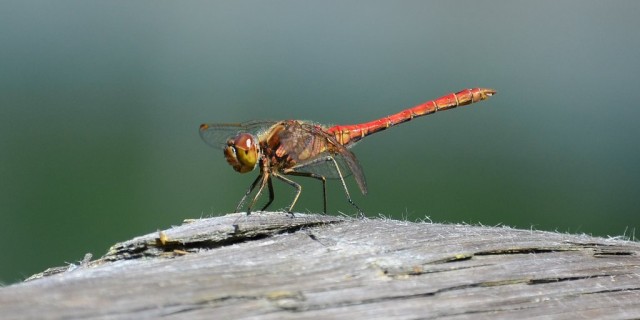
(100, 104)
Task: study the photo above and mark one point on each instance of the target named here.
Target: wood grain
(274, 266)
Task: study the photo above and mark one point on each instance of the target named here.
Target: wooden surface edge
(274, 266)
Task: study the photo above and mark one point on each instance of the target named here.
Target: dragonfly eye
(242, 152)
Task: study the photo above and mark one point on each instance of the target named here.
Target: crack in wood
(613, 290)
(210, 236)
(205, 303)
(604, 253)
(455, 258)
(419, 270)
(346, 303)
(523, 250)
(562, 279)
(166, 246)
(281, 299)
(305, 308)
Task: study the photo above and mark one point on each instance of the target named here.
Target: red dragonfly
(301, 148)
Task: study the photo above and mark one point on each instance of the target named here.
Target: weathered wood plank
(273, 266)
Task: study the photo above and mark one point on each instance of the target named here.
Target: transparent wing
(346, 161)
(217, 134)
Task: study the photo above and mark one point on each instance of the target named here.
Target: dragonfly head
(242, 152)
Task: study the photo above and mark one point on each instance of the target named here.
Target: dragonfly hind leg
(344, 185)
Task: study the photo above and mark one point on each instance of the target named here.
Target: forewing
(217, 134)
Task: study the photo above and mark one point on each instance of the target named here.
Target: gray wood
(273, 266)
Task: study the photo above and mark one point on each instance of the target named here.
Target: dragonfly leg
(344, 185)
(315, 176)
(265, 180)
(293, 184)
(246, 194)
(291, 171)
(270, 195)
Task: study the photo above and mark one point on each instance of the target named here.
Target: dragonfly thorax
(242, 152)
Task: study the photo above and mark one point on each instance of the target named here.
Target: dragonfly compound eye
(242, 152)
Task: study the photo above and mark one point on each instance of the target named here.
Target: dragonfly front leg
(253, 185)
(266, 179)
(270, 195)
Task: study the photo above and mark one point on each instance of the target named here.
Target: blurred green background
(100, 104)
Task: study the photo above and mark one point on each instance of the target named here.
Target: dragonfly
(302, 148)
